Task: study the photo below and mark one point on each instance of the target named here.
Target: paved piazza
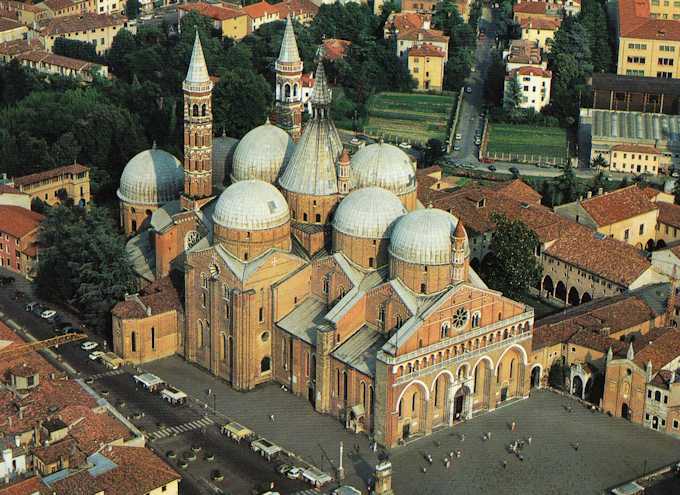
(610, 450)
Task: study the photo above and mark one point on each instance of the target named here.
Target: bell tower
(288, 113)
(197, 88)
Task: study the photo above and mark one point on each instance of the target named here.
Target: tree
(77, 49)
(83, 262)
(515, 267)
(124, 45)
(599, 162)
(241, 101)
(567, 186)
(132, 8)
(512, 96)
(433, 151)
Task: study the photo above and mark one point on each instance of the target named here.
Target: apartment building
(534, 84)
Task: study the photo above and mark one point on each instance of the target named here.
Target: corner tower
(288, 113)
(197, 88)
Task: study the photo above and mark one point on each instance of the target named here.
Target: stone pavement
(611, 450)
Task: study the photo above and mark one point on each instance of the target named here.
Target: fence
(526, 158)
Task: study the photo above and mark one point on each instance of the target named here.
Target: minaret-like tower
(344, 174)
(288, 114)
(198, 137)
(459, 269)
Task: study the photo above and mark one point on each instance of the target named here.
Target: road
(168, 427)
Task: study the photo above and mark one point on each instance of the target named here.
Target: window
(265, 364)
(371, 262)
(665, 399)
(381, 313)
(636, 60)
(423, 288)
(326, 285)
(264, 337)
(133, 342)
(676, 425)
(444, 330)
(642, 228)
(261, 314)
(153, 338)
(400, 408)
(398, 321)
(414, 399)
(665, 61)
(626, 234)
(649, 392)
(475, 319)
(317, 217)
(664, 75)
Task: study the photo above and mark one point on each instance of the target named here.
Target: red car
(487, 160)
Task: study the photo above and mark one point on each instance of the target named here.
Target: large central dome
(152, 177)
(251, 205)
(262, 154)
(383, 165)
(368, 213)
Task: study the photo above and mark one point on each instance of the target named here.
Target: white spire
(289, 50)
(198, 71)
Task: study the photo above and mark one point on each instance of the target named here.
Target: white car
(468, 89)
(294, 473)
(95, 355)
(405, 146)
(459, 136)
(48, 313)
(89, 345)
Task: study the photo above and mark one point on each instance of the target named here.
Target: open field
(549, 142)
(409, 117)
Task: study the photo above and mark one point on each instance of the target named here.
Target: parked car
(468, 89)
(405, 146)
(459, 136)
(514, 170)
(283, 468)
(89, 345)
(48, 313)
(66, 330)
(456, 147)
(95, 355)
(492, 168)
(294, 473)
(487, 160)
(32, 306)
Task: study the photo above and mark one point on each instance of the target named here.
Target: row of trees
(462, 42)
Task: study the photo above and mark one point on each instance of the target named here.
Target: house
(98, 29)
(413, 37)
(536, 10)
(18, 239)
(9, 195)
(426, 65)
(539, 30)
(522, 53)
(534, 85)
(11, 49)
(404, 21)
(232, 22)
(668, 226)
(50, 63)
(51, 186)
(335, 49)
(418, 5)
(303, 11)
(11, 30)
(648, 38)
(261, 13)
(635, 94)
(60, 8)
(28, 486)
(605, 129)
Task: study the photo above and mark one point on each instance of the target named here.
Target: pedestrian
(448, 464)
(521, 457)
(505, 464)
(488, 435)
(424, 469)
(451, 454)
(271, 418)
(458, 454)
(429, 459)
(513, 426)
(375, 446)
(529, 440)
(462, 437)
(576, 445)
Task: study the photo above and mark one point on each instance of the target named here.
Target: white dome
(424, 237)
(262, 154)
(368, 212)
(251, 205)
(152, 177)
(383, 165)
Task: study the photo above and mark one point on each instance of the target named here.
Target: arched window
(505, 334)
(204, 110)
(295, 90)
(499, 372)
(345, 385)
(265, 364)
(286, 91)
(307, 363)
(512, 368)
(194, 111)
(134, 225)
(133, 341)
(475, 319)
(381, 313)
(326, 285)
(337, 382)
(204, 299)
(204, 280)
(657, 396)
(445, 330)
(200, 334)
(370, 397)
(317, 217)
(400, 408)
(363, 394)
(423, 288)
(398, 321)
(223, 347)
(462, 371)
(153, 338)
(371, 262)
(436, 393)
(414, 399)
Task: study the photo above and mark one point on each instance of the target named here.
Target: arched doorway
(510, 373)
(574, 297)
(650, 245)
(482, 375)
(411, 409)
(548, 286)
(439, 393)
(459, 403)
(577, 387)
(625, 411)
(588, 389)
(311, 391)
(586, 297)
(660, 244)
(655, 422)
(536, 377)
(561, 291)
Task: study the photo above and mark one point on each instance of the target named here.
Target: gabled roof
(74, 169)
(669, 213)
(360, 350)
(259, 9)
(17, 221)
(158, 297)
(518, 190)
(635, 21)
(82, 22)
(660, 350)
(30, 486)
(618, 205)
(529, 70)
(540, 23)
(216, 12)
(421, 34)
(426, 50)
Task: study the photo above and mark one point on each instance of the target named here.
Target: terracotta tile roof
(8, 24)
(540, 23)
(56, 60)
(651, 193)
(636, 148)
(531, 7)
(335, 49)
(662, 379)
(635, 22)
(426, 50)
(660, 350)
(423, 35)
(404, 21)
(531, 71)
(618, 205)
(91, 429)
(518, 190)
(137, 471)
(217, 12)
(5, 189)
(61, 450)
(15, 47)
(160, 296)
(56, 5)
(30, 486)
(307, 80)
(81, 22)
(669, 213)
(17, 221)
(259, 9)
(296, 8)
(48, 174)
(524, 52)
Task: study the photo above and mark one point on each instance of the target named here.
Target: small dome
(368, 212)
(424, 237)
(152, 177)
(251, 205)
(383, 165)
(262, 154)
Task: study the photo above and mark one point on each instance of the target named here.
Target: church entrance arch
(577, 387)
(483, 376)
(460, 399)
(536, 377)
(586, 297)
(625, 411)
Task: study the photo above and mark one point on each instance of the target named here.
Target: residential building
(404, 21)
(109, 7)
(635, 94)
(335, 49)
(13, 463)
(232, 22)
(559, 7)
(637, 159)
(146, 326)
(25, 13)
(98, 29)
(668, 228)
(605, 129)
(19, 239)
(534, 84)
(414, 37)
(523, 53)
(11, 49)
(73, 180)
(261, 13)
(626, 214)
(28, 486)
(50, 63)
(648, 46)
(426, 65)
(536, 10)
(60, 8)
(9, 195)
(418, 5)
(539, 30)
(11, 30)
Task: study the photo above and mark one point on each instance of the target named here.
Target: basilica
(315, 269)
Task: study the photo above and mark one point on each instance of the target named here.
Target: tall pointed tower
(197, 89)
(288, 114)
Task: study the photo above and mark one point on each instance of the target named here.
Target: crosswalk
(173, 430)
(119, 371)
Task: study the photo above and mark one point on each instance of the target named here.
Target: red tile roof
(531, 71)
(81, 22)
(217, 12)
(636, 148)
(518, 190)
(8, 24)
(30, 486)
(404, 21)
(137, 471)
(335, 49)
(635, 22)
(48, 174)
(56, 5)
(19, 46)
(531, 7)
(56, 60)
(160, 296)
(540, 23)
(423, 35)
(669, 213)
(660, 350)
(260, 9)
(17, 221)
(618, 205)
(5, 189)
(296, 8)
(426, 50)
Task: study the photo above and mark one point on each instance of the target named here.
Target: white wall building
(534, 83)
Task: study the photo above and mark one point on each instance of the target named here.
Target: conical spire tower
(197, 78)
(288, 113)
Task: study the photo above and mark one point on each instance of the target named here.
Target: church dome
(152, 177)
(262, 154)
(251, 205)
(424, 237)
(368, 213)
(383, 165)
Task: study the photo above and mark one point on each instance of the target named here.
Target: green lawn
(409, 117)
(549, 142)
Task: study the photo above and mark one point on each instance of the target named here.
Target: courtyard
(610, 450)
